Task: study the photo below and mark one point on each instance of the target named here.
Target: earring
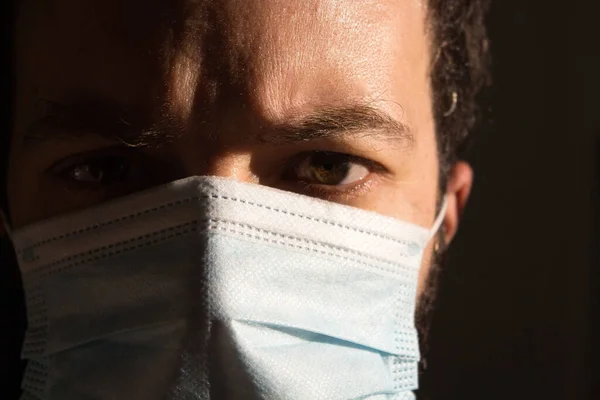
(453, 105)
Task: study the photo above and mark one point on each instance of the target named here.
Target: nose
(226, 161)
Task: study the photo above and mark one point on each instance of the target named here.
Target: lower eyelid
(334, 193)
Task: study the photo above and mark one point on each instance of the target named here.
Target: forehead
(275, 57)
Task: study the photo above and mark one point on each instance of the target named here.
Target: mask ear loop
(439, 219)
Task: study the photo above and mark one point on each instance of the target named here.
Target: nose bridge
(224, 104)
(231, 164)
(199, 158)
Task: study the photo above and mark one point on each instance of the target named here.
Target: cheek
(19, 197)
(23, 188)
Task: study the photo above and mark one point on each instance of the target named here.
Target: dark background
(514, 315)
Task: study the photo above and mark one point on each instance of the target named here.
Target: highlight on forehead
(240, 46)
(190, 35)
(207, 51)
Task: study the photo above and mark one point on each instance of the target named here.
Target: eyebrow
(108, 120)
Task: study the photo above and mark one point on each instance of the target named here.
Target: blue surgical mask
(209, 288)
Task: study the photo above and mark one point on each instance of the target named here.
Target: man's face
(248, 89)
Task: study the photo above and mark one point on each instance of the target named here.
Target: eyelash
(331, 194)
(341, 193)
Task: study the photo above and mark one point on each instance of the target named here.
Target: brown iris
(328, 168)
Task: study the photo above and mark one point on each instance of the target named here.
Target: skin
(236, 70)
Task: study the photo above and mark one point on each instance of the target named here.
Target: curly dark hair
(460, 61)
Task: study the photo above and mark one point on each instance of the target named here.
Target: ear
(458, 189)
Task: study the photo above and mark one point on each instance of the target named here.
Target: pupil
(330, 168)
(108, 171)
(96, 172)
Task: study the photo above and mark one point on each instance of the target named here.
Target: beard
(427, 301)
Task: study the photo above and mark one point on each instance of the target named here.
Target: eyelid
(334, 193)
(353, 157)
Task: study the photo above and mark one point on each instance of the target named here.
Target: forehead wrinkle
(184, 55)
(264, 52)
(208, 60)
(270, 57)
(295, 53)
(182, 81)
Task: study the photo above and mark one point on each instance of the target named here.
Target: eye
(332, 169)
(332, 176)
(105, 170)
(100, 170)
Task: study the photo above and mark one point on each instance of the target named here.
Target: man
(164, 161)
